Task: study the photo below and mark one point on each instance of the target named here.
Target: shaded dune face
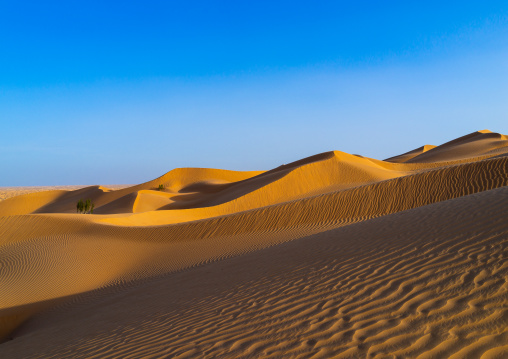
(334, 255)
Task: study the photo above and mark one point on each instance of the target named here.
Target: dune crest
(411, 154)
(334, 255)
(476, 144)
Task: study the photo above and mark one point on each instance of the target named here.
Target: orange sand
(8, 192)
(335, 255)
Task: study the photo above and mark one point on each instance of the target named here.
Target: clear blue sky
(105, 92)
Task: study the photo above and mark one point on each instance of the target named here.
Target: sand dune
(429, 282)
(8, 192)
(411, 154)
(335, 255)
(481, 143)
(187, 188)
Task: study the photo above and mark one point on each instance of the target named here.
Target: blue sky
(121, 92)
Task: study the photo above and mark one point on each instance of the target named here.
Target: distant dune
(8, 192)
(335, 255)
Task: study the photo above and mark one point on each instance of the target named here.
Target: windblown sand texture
(335, 255)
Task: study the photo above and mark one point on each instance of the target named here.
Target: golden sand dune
(411, 154)
(476, 144)
(428, 282)
(187, 188)
(8, 192)
(335, 255)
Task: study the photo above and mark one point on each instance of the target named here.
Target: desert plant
(85, 206)
(80, 206)
(161, 187)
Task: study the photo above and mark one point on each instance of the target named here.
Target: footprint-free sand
(332, 256)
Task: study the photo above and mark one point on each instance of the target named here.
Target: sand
(335, 255)
(8, 192)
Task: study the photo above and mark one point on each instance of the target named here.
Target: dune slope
(334, 255)
(66, 243)
(476, 144)
(428, 282)
(411, 154)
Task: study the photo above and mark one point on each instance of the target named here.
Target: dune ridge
(410, 154)
(482, 142)
(187, 188)
(334, 255)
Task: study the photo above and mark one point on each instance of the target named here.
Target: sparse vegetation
(160, 188)
(85, 206)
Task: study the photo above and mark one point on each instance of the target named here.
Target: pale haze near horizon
(131, 127)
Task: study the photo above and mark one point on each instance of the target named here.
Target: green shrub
(80, 206)
(161, 187)
(85, 206)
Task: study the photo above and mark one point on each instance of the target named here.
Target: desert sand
(335, 255)
(8, 192)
